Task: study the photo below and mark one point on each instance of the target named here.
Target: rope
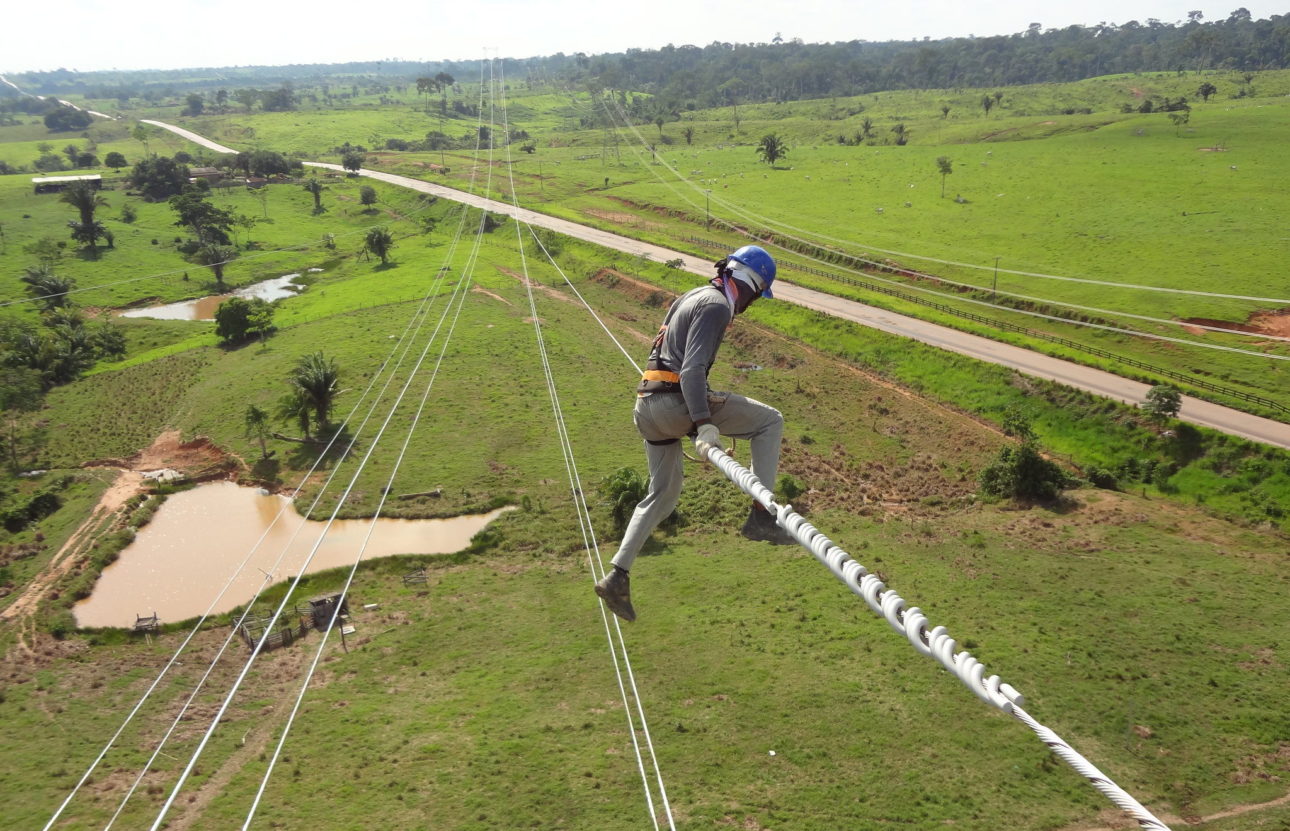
(913, 625)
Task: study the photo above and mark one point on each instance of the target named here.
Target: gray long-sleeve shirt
(696, 325)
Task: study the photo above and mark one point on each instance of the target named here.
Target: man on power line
(673, 400)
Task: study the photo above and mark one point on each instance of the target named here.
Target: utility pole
(995, 285)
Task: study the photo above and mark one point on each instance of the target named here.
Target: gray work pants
(662, 416)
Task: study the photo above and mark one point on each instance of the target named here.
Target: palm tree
(215, 256)
(315, 383)
(379, 241)
(945, 167)
(315, 189)
(48, 289)
(771, 149)
(257, 427)
(902, 133)
(89, 234)
(85, 198)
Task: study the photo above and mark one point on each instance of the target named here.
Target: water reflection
(179, 562)
(203, 308)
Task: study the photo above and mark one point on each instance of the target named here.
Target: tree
(85, 198)
(266, 163)
(944, 166)
(1206, 90)
(367, 195)
(256, 422)
(239, 318)
(731, 90)
(215, 257)
(353, 161)
(159, 178)
(47, 288)
(1022, 472)
(771, 149)
(140, 134)
(987, 103)
(1180, 120)
(315, 383)
(866, 127)
(210, 224)
(20, 392)
(688, 132)
(1162, 403)
(902, 133)
(379, 241)
(63, 119)
(315, 189)
(89, 234)
(945, 111)
(193, 104)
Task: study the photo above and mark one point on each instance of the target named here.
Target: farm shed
(57, 184)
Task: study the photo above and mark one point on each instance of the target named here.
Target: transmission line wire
(404, 343)
(622, 668)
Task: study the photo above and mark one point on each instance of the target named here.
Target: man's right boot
(613, 588)
(761, 527)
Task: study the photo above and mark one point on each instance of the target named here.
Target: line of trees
(725, 74)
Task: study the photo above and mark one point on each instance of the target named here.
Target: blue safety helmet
(761, 264)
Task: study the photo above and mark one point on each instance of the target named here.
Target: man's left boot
(615, 590)
(761, 527)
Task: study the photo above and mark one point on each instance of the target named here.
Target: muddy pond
(180, 561)
(203, 308)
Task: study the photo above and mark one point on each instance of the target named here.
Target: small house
(210, 174)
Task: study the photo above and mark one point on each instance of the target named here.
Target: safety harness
(658, 377)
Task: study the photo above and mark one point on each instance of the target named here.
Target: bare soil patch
(1275, 323)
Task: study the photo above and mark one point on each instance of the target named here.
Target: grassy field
(1143, 625)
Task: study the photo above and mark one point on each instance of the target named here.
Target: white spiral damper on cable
(912, 624)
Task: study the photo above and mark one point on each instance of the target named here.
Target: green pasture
(138, 269)
(1143, 625)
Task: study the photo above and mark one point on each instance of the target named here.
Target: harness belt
(657, 377)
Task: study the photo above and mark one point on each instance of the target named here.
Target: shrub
(1100, 477)
(622, 490)
(1022, 472)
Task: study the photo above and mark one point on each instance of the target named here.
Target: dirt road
(1098, 382)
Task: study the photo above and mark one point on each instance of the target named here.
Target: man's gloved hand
(709, 434)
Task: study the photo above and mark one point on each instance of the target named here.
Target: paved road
(191, 136)
(1096, 381)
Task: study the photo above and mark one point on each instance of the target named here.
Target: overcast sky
(151, 34)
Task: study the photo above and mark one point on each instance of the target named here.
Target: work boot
(613, 588)
(761, 527)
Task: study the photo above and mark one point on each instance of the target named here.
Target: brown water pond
(180, 561)
(203, 308)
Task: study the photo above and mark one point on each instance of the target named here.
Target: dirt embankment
(1274, 323)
